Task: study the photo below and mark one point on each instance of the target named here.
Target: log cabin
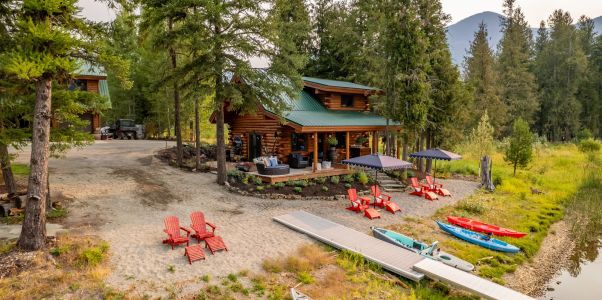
(322, 110)
(92, 79)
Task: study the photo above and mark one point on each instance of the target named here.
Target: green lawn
(558, 170)
(20, 169)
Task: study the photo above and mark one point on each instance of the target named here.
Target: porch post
(315, 164)
(397, 145)
(347, 146)
(375, 142)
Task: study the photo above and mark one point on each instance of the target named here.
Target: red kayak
(485, 228)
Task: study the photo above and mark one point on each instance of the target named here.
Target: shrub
(206, 278)
(301, 183)
(325, 188)
(297, 189)
(320, 180)
(279, 185)
(257, 180)
(260, 188)
(244, 180)
(362, 177)
(349, 178)
(584, 134)
(290, 183)
(235, 174)
(497, 180)
(589, 145)
(58, 251)
(232, 277)
(305, 277)
(347, 185)
(93, 256)
(334, 179)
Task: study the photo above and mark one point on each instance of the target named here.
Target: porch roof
(307, 111)
(338, 83)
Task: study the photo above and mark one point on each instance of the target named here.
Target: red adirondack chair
(384, 200)
(420, 190)
(437, 187)
(173, 230)
(357, 205)
(199, 225)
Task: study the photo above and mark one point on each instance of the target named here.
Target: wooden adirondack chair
(199, 225)
(356, 204)
(437, 187)
(384, 200)
(420, 190)
(173, 230)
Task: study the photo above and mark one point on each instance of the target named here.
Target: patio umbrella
(378, 162)
(436, 154)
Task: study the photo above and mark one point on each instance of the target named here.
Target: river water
(582, 278)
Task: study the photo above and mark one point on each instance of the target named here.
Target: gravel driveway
(122, 193)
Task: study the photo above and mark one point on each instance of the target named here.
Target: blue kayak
(478, 239)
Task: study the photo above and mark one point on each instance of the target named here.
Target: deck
(467, 281)
(391, 257)
(297, 174)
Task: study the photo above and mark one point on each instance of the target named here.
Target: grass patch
(561, 171)
(43, 279)
(7, 246)
(20, 169)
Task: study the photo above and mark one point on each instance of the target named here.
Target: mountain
(459, 35)
(598, 25)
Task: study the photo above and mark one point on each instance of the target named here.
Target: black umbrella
(378, 162)
(436, 154)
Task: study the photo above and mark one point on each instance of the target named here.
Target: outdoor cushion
(273, 161)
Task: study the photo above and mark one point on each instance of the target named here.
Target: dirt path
(122, 193)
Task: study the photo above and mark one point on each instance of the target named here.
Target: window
(346, 100)
(79, 84)
(298, 141)
(341, 139)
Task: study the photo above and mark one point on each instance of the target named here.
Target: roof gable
(329, 83)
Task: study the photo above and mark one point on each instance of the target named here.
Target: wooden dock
(390, 257)
(467, 281)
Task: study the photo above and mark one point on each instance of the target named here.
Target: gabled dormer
(339, 95)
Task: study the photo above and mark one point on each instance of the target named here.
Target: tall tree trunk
(48, 199)
(33, 233)
(221, 145)
(7, 172)
(486, 181)
(429, 143)
(197, 133)
(176, 100)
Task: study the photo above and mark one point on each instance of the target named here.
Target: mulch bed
(308, 191)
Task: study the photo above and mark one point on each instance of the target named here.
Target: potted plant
(333, 142)
(361, 140)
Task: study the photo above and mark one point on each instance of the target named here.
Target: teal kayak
(478, 239)
(429, 251)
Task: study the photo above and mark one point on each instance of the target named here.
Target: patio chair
(173, 230)
(356, 205)
(199, 225)
(297, 161)
(421, 190)
(384, 200)
(437, 187)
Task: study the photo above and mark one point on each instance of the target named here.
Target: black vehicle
(125, 128)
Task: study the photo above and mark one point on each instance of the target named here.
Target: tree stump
(486, 181)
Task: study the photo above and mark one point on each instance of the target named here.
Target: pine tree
(560, 69)
(588, 92)
(406, 65)
(520, 149)
(291, 25)
(518, 88)
(481, 76)
(446, 117)
(49, 40)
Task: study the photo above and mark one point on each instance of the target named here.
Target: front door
(254, 145)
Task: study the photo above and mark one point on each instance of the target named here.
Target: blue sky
(535, 10)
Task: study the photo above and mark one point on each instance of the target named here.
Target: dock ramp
(390, 257)
(467, 281)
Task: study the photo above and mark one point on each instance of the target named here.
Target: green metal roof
(103, 89)
(338, 83)
(86, 69)
(306, 110)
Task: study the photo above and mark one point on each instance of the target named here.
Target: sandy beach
(120, 192)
